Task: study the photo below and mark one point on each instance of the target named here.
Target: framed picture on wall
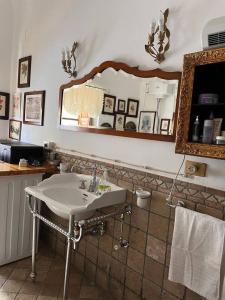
(4, 106)
(33, 111)
(24, 72)
(119, 122)
(147, 121)
(15, 129)
(165, 125)
(16, 106)
(109, 104)
(121, 106)
(132, 108)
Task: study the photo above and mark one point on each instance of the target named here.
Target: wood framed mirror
(116, 99)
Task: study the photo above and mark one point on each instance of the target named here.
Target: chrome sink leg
(68, 255)
(34, 240)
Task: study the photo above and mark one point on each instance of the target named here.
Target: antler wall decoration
(157, 49)
(69, 62)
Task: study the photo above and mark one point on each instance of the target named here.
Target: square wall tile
(133, 281)
(135, 260)
(156, 249)
(158, 226)
(139, 218)
(151, 291)
(137, 239)
(153, 271)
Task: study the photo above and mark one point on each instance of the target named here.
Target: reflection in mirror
(119, 101)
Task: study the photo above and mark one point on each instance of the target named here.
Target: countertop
(7, 169)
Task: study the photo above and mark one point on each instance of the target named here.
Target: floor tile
(2, 281)
(89, 292)
(40, 277)
(15, 282)
(11, 286)
(26, 297)
(31, 288)
(46, 298)
(19, 274)
(7, 296)
(5, 272)
(50, 290)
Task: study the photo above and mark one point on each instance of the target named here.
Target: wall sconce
(69, 62)
(158, 48)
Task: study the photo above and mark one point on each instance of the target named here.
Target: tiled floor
(15, 282)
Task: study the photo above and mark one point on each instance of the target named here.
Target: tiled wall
(139, 272)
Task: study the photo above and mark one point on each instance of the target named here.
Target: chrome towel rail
(179, 203)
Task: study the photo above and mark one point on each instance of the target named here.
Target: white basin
(62, 195)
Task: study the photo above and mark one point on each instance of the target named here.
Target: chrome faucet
(93, 182)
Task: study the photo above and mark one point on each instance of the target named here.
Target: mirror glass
(116, 100)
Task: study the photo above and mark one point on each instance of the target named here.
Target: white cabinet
(15, 217)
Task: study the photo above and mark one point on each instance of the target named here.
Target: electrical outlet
(195, 168)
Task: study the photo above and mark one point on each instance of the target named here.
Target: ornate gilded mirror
(202, 98)
(116, 99)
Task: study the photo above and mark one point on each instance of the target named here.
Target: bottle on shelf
(196, 129)
(208, 127)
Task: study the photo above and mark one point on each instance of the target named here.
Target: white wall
(106, 30)
(5, 54)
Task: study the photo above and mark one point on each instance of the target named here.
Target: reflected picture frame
(147, 121)
(119, 122)
(109, 105)
(4, 106)
(121, 108)
(34, 106)
(132, 108)
(15, 129)
(165, 125)
(24, 72)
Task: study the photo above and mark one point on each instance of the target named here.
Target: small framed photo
(165, 125)
(121, 106)
(132, 108)
(147, 121)
(119, 122)
(4, 106)
(109, 105)
(34, 104)
(15, 129)
(24, 71)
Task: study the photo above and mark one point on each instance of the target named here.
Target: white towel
(197, 253)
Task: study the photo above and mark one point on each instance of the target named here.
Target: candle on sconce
(152, 30)
(161, 23)
(159, 37)
(68, 53)
(68, 61)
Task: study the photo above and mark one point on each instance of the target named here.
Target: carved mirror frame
(182, 144)
(133, 71)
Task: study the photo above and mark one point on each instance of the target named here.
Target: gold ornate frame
(182, 144)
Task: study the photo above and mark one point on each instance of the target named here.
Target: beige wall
(6, 21)
(106, 30)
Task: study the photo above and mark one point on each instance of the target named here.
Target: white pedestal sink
(63, 195)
